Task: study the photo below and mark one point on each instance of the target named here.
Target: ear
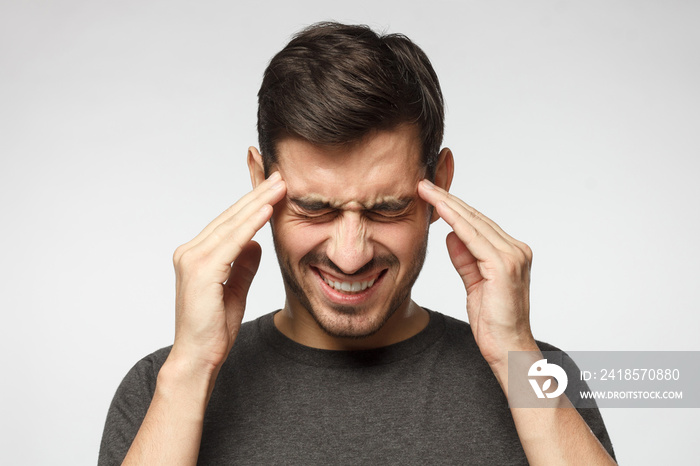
(255, 167)
(444, 172)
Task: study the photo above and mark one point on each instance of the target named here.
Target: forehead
(383, 166)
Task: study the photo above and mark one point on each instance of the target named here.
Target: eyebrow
(392, 205)
(311, 204)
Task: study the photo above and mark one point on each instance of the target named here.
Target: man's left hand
(495, 269)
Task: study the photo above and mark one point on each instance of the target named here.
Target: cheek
(410, 229)
(297, 236)
(400, 238)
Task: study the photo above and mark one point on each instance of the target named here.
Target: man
(350, 176)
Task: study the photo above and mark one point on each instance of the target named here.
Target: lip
(335, 278)
(338, 297)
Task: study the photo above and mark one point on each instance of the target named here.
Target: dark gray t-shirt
(429, 399)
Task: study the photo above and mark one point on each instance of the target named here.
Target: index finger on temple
(266, 192)
(434, 194)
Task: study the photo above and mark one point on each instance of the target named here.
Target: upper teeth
(348, 286)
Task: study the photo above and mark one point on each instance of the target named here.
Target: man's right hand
(213, 275)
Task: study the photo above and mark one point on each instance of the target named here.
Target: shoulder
(145, 371)
(129, 406)
(141, 378)
(458, 329)
(457, 338)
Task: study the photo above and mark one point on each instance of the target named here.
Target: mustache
(377, 262)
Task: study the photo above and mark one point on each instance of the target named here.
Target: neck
(297, 324)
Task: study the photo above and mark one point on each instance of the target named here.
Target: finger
(242, 273)
(464, 262)
(434, 194)
(478, 244)
(509, 241)
(264, 192)
(459, 213)
(484, 218)
(492, 261)
(210, 260)
(249, 218)
(226, 242)
(487, 227)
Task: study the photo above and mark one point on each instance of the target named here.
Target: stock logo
(543, 369)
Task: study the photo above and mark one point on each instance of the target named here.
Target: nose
(350, 246)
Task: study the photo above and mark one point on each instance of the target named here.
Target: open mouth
(350, 288)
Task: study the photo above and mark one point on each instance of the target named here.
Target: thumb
(463, 260)
(242, 273)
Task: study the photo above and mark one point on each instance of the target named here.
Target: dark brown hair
(334, 83)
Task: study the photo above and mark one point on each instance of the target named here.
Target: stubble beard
(331, 326)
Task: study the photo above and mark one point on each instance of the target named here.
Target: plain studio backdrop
(124, 129)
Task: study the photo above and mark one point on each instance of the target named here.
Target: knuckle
(467, 229)
(510, 265)
(188, 259)
(523, 253)
(474, 215)
(516, 264)
(216, 236)
(177, 255)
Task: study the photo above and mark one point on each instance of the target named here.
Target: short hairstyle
(334, 83)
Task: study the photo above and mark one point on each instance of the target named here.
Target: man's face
(351, 234)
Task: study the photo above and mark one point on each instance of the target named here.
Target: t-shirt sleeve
(129, 407)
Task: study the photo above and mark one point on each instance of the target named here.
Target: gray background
(124, 128)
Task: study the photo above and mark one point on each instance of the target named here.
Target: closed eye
(323, 211)
(316, 214)
(385, 216)
(309, 210)
(391, 211)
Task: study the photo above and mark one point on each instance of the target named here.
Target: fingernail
(428, 184)
(274, 176)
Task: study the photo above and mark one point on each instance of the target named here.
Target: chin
(348, 322)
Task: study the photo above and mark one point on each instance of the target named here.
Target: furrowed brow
(391, 205)
(317, 205)
(311, 205)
